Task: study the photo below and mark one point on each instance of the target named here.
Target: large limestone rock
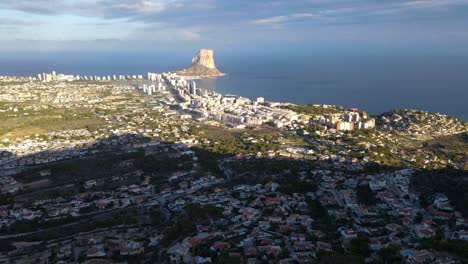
(205, 57)
(203, 65)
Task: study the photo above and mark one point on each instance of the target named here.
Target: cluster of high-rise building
(157, 84)
(184, 89)
(228, 109)
(155, 77)
(350, 120)
(53, 76)
(152, 88)
(234, 110)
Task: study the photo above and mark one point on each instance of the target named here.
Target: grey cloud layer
(258, 12)
(105, 8)
(248, 21)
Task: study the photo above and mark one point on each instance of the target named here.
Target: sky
(233, 25)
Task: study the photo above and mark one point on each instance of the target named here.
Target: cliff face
(205, 57)
(203, 65)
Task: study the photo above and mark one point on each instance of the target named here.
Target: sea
(375, 83)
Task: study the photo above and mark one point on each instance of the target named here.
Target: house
(386, 196)
(271, 250)
(392, 227)
(440, 198)
(95, 252)
(421, 256)
(378, 243)
(425, 233)
(181, 250)
(394, 240)
(266, 242)
(250, 252)
(462, 222)
(219, 246)
(201, 260)
(131, 248)
(461, 234)
(275, 219)
(285, 228)
(271, 201)
(347, 233)
(90, 183)
(377, 184)
(263, 224)
(442, 215)
(406, 221)
(202, 228)
(446, 260)
(324, 246)
(304, 257)
(318, 233)
(303, 246)
(298, 237)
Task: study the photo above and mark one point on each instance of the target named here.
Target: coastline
(201, 77)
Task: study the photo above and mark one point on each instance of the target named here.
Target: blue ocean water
(375, 83)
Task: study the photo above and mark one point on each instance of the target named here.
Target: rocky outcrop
(203, 66)
(416, 122)
(205, 57)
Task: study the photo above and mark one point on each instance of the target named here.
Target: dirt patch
(37, 184)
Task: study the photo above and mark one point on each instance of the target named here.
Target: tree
(365, 195)
(156, 216)
(419, 217)
(390, 255)
(360, 245)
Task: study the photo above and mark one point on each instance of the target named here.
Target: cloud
(334, 12)
(102, 8)
(169, 22)
(271, 20)
(190, 35)
(277, 21)
(432, 3)
(144, 7)
(5, 21)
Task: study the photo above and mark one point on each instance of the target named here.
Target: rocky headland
(203, 66)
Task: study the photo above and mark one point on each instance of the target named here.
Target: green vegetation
(183, 226)
(198, 213)
(296, 186)
(121, 218)
(157, 216)
(365, 195)
(383, 155)
(358, 251)
(68, 177)
(459, 247)
(311, 109)
(23, 226)
(454, 147)
(79, 170)
(451, 182)
(162, 164)
(390, 255)
(272, 167)
(13, 125)
(231, 142)
(366, 133)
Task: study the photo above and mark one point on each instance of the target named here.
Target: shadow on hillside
(131, 156)
(128, 159)
(125, 159)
